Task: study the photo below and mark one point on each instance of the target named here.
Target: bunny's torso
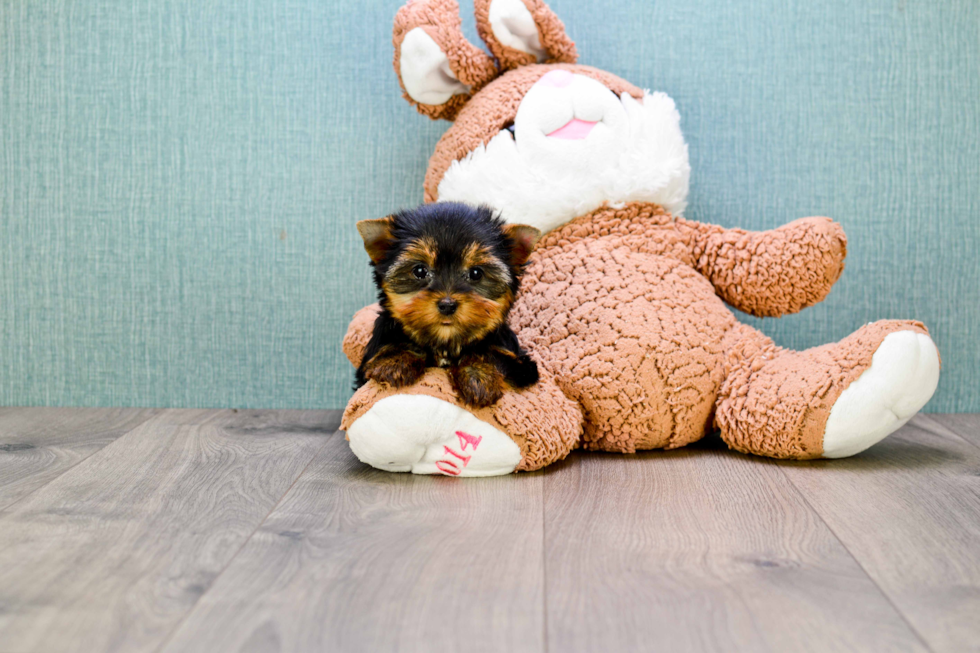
(612, 306)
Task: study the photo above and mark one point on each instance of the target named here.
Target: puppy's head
(447, 272)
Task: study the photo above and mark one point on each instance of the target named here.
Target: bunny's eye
(420, 272)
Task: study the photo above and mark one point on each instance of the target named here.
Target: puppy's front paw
(397, 368)
(519, 369)
(477, 382)
(524, 373)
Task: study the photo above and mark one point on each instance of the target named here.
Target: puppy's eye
(420, 272)
(475, 274)
(509, 127)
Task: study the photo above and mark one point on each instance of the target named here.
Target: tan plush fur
(619, 307)
(544, 423)
(624, 310)
(551, 33)
(440, 20)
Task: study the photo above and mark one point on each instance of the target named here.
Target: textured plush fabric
(441, 21)
(760, 406)
(179, 180)
(554, 37)
(612, 306)
(749, 270)
(359, 333)
(544, 423)
(620, 307)
(624, 305)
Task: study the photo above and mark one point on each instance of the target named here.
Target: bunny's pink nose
(557, 78)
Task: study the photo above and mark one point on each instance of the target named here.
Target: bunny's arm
(359, 333)
(769, 273)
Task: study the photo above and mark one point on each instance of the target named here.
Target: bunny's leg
(831, 401)
(425, 429)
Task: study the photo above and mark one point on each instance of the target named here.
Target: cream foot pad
(425, 435)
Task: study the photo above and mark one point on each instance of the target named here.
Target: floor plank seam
(51, 480)
(853, 557)
(231, 559)
(952, 430)
(544, 563)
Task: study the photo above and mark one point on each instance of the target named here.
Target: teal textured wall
(179, 179)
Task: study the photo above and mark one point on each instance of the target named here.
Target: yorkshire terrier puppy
(447, 275)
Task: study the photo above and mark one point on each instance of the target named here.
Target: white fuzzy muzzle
(555, 167)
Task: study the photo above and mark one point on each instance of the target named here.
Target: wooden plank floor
(166, 530)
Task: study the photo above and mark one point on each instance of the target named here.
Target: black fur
(453, 227)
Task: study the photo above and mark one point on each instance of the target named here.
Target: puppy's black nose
(447, 305)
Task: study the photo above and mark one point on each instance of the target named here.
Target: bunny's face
(541, 142)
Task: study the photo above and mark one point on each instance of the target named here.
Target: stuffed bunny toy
(623, 301)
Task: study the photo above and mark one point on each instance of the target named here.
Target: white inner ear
(425, 70)
(514, 27)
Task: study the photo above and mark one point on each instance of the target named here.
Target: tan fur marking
(399, 302)
(418, 314)
(504, 352)
(478, 255)
(478, 316)
(423, 250)
(420, 317)
(377, 237)
(524, 238)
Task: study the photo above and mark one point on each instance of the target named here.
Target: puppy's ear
(522, 32)
(524, 238)
(377, 237)
(438, 68)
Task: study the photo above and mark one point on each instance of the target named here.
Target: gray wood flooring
(258, 531)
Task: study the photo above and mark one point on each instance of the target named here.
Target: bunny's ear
(439, 70)
(522, 32)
